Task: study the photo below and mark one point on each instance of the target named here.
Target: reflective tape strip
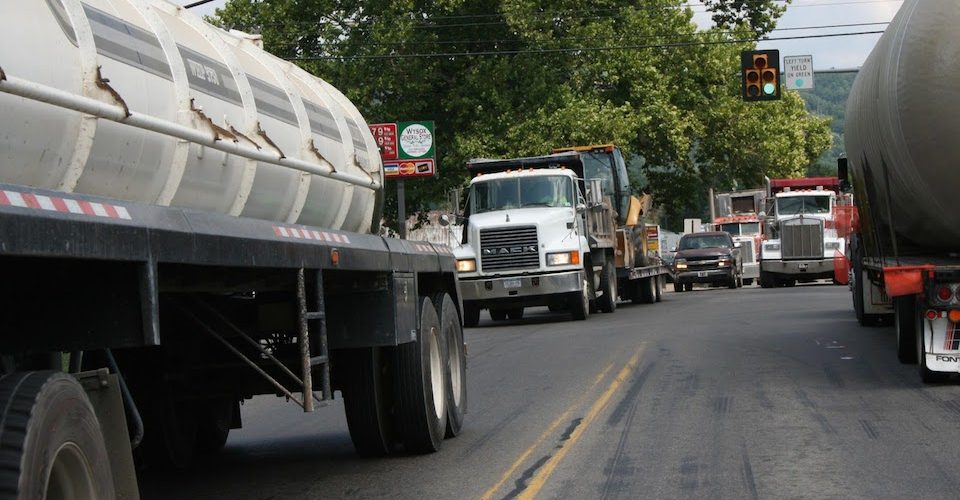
(63, 205)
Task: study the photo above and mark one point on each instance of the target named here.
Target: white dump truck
(561, 230)
(187, 221)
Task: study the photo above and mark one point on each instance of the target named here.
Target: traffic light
(760, 72)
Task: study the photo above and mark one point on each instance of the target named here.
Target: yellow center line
(540, 479)
(546, 433)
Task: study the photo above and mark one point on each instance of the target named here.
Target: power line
(425, 23)
(581, 39)
(575, 49)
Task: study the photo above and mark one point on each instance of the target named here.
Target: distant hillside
(829, 98)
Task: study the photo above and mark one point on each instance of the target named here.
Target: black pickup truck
(711, 257)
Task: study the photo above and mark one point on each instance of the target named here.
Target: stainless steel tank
(903, 124)
(158, 60)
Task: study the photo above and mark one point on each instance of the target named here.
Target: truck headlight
(832, 245)
(724, 262)
(680, 264)
(563, 258)
(466, 265)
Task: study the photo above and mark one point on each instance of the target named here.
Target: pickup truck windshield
(797, 205)
(712, 241)
(522, 192)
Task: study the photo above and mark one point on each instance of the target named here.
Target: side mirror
(673, 249)
(444, 220)
(581, 207)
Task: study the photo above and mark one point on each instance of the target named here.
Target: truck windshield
(705, 241)
(522, 192)
(796, 205)
(740, 228)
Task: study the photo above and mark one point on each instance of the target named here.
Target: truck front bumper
(704, 275)
(520, 290)
(815, 268)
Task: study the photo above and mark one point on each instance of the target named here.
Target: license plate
(701, 274)
(511, 283)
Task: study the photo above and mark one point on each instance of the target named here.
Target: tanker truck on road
(185, 222)
(902, 154)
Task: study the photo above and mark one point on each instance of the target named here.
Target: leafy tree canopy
(506, 78)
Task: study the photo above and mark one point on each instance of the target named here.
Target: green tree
(506, 78)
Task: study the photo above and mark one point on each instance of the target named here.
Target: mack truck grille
(509, 248)
(802, 239)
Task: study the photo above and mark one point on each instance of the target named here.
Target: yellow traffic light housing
(760, 74)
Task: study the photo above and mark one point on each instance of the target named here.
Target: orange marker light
(575, 257)
(954, 315)
(335, 257)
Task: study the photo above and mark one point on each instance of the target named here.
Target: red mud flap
(841, 268)
(904, 280)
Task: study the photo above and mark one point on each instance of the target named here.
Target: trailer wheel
(580, 303)
(658, 288)
(515, 313)
(471, 315)
(421, 385)
(646, 291)
(456, 363)
(608, 286)
(688, 286)
(214, 421)
(498, 314)
(52, 443)
(677, 286)
(905, 312)
(367, 399)
(766, 280)
(747, 281)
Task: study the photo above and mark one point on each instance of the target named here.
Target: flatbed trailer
(163, 320)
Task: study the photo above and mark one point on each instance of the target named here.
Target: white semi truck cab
(524, 243)
(561, 230)
(801, 238)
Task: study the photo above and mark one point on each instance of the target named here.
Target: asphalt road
(714, 393)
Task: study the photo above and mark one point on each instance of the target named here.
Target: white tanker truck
(903, 154)
(187, 221)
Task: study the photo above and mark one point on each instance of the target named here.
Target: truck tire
(688, 286)
(214, 420)
(367, 398)
(732, 283)
(51, 439)
(608, 286)
(926, 376)
(677, 286)
(580, 303)
(646, 291)
(905, 318)
(658, 288)
(767, 280)
(498, 314)
(420, 385)
(515, 313)
(455, 365)
(471, 315)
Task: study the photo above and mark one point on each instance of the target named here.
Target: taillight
(944, 293)
(954, 315)
(932, 315)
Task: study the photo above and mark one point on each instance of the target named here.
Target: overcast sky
(837, 52)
